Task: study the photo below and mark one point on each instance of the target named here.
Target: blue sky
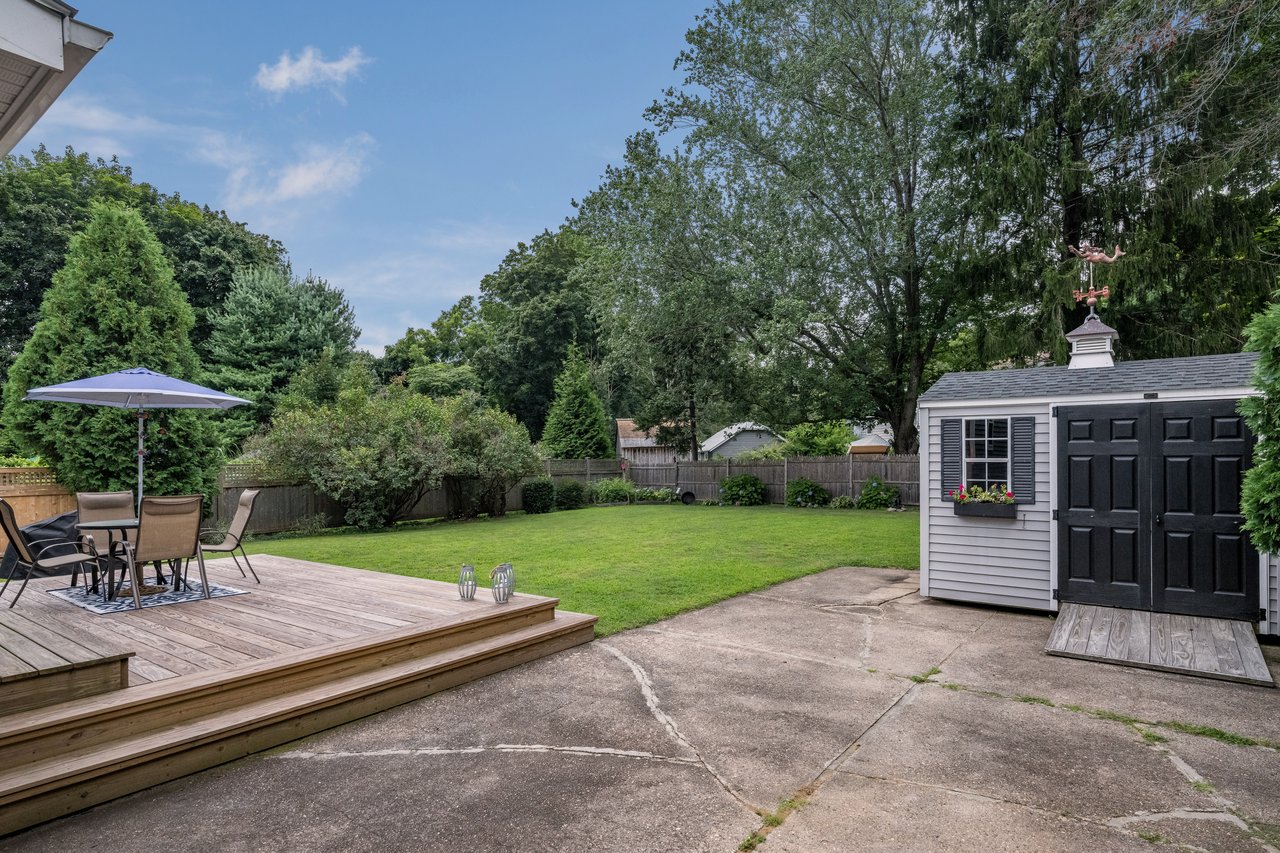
(398, 150)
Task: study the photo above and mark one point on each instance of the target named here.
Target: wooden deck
(213, 680)
(1194, 645)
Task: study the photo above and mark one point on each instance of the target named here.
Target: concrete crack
(596, 751)
(651, 700)
(1180, 814)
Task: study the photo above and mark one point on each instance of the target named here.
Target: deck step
(94, 750)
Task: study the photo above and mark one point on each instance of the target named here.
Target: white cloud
(321, 171)
(310, 69)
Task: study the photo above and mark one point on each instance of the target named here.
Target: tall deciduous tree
(1261, 492)
(270, 326)
(663, 288)
(531, 308)
(576, 426)
(114, 305)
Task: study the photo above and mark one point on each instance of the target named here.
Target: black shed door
(1149, 508)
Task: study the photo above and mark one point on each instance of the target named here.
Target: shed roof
(717, 440)
(1233, 370)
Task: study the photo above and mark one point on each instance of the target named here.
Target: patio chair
(168, 529)
(36, 555)
(102, 506)
(235, 534)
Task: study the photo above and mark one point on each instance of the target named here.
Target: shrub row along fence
(35, 494)
(839, 475)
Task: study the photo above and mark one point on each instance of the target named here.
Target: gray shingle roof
(1234, 370)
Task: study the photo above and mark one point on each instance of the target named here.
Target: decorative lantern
(503, 581)
(467, 582)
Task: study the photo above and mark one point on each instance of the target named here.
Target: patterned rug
(92, 601)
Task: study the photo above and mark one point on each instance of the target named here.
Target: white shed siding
(1272, 625)
(990, 560)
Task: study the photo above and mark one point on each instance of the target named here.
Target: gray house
(738, 438)
(1126, 480)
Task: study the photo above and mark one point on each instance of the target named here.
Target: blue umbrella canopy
(139, 389)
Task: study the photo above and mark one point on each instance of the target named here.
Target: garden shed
(1126, 480)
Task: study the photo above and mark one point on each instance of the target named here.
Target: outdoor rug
(80, 597)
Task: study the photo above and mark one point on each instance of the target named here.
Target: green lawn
(631, 565)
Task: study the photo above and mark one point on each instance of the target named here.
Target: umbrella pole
(142, 416)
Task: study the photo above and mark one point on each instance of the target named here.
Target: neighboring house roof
(629, 435)
(42, 51)
(1207, 372)
(724, 435)
(870, 444)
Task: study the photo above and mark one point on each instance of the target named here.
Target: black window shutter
(1023, 481)
(952, 464)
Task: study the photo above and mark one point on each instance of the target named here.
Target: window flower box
(986, 510)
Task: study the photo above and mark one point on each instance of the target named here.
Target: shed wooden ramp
(1193, 645)
(213, 680)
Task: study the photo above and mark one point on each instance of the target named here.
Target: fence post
(850, 458)
(785, 478)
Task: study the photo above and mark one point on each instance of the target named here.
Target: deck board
(299, 605)
(1195, 645)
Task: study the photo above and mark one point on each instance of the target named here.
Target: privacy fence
(839, 475)
(35, 494)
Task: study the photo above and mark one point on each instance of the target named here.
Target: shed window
(986, 452)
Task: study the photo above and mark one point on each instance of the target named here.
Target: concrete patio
(689, 734)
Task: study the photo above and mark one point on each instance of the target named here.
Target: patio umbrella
(139, 389)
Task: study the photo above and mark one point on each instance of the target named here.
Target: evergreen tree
(576, 425)
(269, 328)
(112, 306)
(1261, 492)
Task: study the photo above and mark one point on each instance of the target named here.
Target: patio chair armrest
(82, 547)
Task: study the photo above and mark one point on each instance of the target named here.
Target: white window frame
(965, 458)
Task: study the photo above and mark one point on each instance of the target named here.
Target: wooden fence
(839, 475)
(35, 494)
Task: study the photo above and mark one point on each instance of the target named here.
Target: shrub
(374, 452)
(614, 490)
(777, 450)
(842, 502)
(489, 451)
(876, 494)
(661, 495)
(742, 490)
(571, 494)
(709, 502)
(538, 495)
(805, 492)
(20, 461)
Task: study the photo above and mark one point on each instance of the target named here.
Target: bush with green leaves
(803, 492)
(114, 305)
(376, 451)
(842, 502)
(538, 495)
(876, 494)
(19, 461)
(571, 494)
(663, 495)
(824, 438)
(777, 450)
(614, 490)
(489, 452)
(742, 490)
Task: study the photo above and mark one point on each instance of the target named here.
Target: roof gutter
(43, 34)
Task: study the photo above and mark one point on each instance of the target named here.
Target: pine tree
(1261, 492)
(576, 425)
(113, 305)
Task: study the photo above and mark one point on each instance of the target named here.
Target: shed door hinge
(1262, 614)
(1055, 515)
(1057, 595)
(1054, 411)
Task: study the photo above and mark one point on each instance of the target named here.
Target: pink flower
(1008, 494)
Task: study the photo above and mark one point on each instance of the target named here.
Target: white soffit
(42, 49)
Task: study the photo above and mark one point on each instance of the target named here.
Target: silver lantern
(467, 582)
(503, 582)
